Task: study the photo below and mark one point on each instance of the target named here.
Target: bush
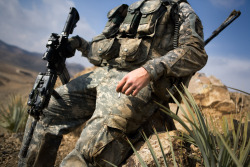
(14, 116)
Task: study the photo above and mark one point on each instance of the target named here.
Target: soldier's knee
(113, 148)
(74, 159)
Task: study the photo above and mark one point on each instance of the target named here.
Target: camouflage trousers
(90, 98)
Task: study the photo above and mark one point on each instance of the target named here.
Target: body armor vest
(134, 34)
(137, 33)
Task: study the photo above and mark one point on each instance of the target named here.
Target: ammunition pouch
(133, 52)
(92, 56)
(131, 21)
(142, 18)
(106, 48)
(130, 49)
(115, 18)
(103, 48)
(151, 12)
(130, 24)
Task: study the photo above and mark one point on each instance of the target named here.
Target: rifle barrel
(234, 15)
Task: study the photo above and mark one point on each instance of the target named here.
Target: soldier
(144, 49)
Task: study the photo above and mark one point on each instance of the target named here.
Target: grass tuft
(14, 116)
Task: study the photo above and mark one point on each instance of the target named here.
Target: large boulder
(168, 140)
(211, 94)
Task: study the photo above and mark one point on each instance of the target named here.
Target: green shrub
(14, 116)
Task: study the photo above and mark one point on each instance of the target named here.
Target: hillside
(15, 56)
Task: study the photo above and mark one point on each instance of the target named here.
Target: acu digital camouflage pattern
(92, 97)
(189, 57)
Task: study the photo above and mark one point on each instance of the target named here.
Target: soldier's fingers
(125, 87)
(129, 90)
(135, 92)
(120, 85)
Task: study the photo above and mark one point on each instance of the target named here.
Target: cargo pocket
(151, 12)
(115, 18)
(105, 48)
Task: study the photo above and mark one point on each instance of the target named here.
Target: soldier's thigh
(114, 118)
(74, 103)
(126, 113)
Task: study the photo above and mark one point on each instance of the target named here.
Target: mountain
(19, 69)
(13, 55)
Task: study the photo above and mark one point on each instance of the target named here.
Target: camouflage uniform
(163, 36)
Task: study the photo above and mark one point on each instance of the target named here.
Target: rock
(241, 101)
(211, 94)
(144, 152)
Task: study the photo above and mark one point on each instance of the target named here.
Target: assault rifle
(45, 82)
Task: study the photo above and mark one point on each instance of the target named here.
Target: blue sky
(28, 24)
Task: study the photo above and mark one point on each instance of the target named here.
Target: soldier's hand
(70, 48)
(133, 82)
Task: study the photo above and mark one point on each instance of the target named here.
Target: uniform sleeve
(80, 44)
(189, 56)
(84, 47)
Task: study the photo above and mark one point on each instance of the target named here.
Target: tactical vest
(135, 34)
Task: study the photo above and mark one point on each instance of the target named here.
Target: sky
(29, 23)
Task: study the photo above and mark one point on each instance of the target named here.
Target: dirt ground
(19, 81)
(10, 144)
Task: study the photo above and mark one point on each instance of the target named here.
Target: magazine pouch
(115, 18)
(130, 49)
(151, 12)
(105, 48)
(131, 21)
(133, 52)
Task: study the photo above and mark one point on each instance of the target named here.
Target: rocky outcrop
(211, 95)
(242, 102)
(167, 140)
